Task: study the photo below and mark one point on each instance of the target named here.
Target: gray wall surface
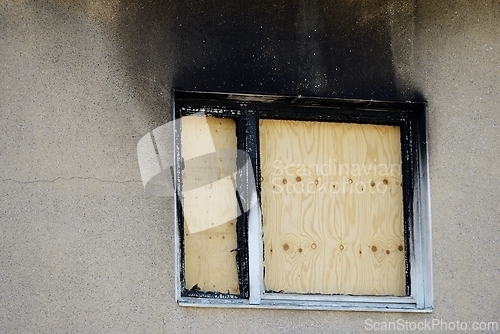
(84, 249)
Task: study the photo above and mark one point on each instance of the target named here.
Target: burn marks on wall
(289, 47)
(315, 48)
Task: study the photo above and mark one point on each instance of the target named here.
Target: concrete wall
(83, 249)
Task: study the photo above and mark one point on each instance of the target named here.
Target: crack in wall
(68, 179)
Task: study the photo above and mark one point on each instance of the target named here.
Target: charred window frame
(246, 110)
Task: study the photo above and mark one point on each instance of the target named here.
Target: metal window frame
(247, 109)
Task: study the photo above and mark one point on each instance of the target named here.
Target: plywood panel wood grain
(209, 203)
(332, 208)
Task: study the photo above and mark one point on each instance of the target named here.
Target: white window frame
(418, 244)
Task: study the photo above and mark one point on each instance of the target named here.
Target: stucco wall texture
(84, 249)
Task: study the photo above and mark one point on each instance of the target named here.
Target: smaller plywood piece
(332, 208)
(209, 203)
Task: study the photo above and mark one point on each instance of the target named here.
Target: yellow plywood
(209, 203)
(332, 208)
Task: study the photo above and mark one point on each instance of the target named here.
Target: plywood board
(332, 208)
(209, 203)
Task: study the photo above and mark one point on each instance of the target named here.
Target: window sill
(342, 303)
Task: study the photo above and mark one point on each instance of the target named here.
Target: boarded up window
(296, 202)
